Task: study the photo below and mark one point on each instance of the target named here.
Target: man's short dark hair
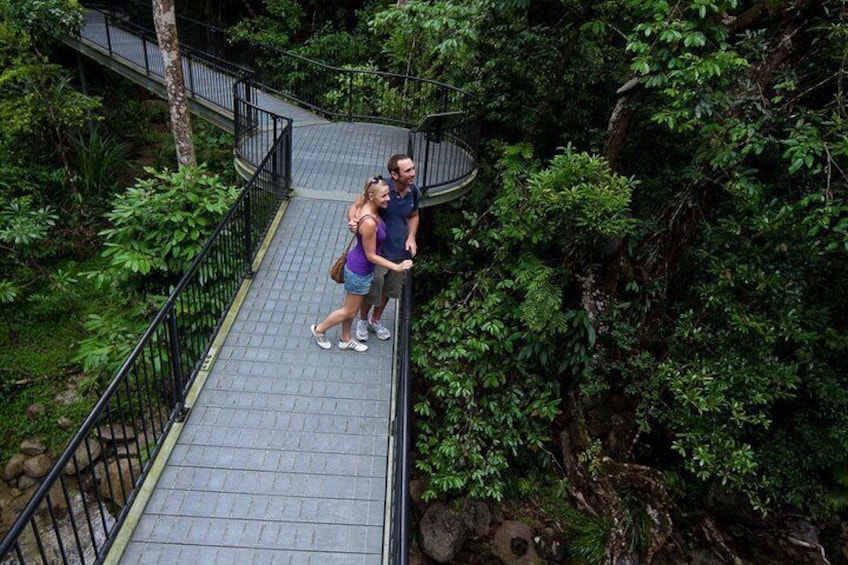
(394, 160)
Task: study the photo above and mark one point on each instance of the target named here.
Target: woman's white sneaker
(320, 339)
(353, 345)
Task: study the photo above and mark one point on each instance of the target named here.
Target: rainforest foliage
(95, 224)
(641, 296)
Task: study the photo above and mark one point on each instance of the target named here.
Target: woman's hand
(403, 265)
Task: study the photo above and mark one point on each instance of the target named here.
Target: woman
(359, 267)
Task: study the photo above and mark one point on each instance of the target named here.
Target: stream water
(79, 536)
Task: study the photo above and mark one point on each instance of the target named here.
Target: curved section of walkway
(332, 158)
(337, 158)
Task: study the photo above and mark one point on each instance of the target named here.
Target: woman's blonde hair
(372, 185)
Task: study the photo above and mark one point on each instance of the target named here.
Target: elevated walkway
(285, 454)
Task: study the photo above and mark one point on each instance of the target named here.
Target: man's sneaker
(353, 345)
(320, 339)
(381, 331)
(361, 330)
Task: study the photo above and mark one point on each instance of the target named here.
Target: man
(401, 217)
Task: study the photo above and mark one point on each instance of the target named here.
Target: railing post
(236, 115)
(176, 364)
(146, 56)
(190, 73)
(248, 235)
(350, 97)
(248, 98)
(288, 155)
(274, 164)
(425, 164)
(108, 34)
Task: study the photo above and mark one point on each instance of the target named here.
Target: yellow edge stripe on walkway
(113, 557)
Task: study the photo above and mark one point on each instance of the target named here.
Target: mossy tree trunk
(165, 20)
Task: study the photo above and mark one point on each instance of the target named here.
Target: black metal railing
(76, 512)
(444, 131)
(398, 550)
(446, 148)
(207, 78)
(255, 129)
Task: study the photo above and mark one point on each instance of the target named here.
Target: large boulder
(87, 453)
(476, 516)
(116, 482)
(34, 411)
(58, 500)
(416, 494)
(442, 532)
(513, 544)
(550, 545)
(14, 467)
(25, 483)
(38, 466)
(117, 433)
(32, 447)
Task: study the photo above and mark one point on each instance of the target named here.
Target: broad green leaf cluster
(160, 224)
(23, 231)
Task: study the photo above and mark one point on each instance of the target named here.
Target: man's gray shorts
(385, 282)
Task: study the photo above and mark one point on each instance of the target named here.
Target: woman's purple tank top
(357, 262)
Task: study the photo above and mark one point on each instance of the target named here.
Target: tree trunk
(596, 488)
(165, 20)
(619, 122)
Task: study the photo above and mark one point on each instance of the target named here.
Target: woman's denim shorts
(357, 284)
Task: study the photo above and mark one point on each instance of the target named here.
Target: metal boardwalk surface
(283, 458)
(284, 455)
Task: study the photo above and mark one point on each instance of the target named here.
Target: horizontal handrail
(206, 76)
(398, 549)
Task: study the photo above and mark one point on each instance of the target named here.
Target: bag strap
(352, 239)
(359, 221)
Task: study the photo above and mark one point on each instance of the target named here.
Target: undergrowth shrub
(159, 225)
